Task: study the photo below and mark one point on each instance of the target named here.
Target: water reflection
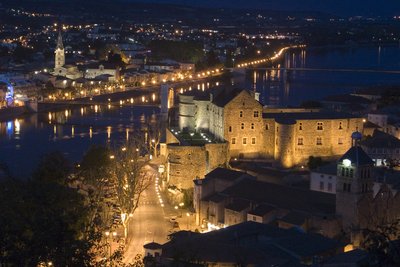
(310, 74)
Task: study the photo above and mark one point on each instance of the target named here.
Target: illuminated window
(255, 114)
(300, 141)
(319, 141)
(244, 140)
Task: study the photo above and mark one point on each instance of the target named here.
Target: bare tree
(155, 131)
(130, 179)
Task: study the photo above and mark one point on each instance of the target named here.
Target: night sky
(338, 7)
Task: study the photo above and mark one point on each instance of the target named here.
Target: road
(149, 223)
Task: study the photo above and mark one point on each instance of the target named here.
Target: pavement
(152, 221)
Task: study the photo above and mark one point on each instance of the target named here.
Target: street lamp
(114, 235)
(187, 215)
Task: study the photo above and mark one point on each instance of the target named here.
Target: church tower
(59, 53)
(354, 182)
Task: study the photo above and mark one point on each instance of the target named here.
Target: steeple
(59, 59)
(354, 181)
(60, 44)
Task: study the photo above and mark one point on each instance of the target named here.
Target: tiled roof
(380, 139)
(226, 174)
(357, 156)
(253, 242)
(238, 205)
(321, 115)
(222, 98)
(261, 210)
(330, 169)
(295, 218)
(283, 196)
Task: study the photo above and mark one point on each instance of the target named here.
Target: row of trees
(60, 215)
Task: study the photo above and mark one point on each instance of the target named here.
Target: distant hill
(337, 7)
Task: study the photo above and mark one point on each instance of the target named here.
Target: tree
(314, 162)
(42, 222)
(53, 167)
(155, 131)
(383, 243)
(130, 179)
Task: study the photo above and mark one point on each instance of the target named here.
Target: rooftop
(261, 210)
(290, 117)
(225, 174)
(238, 205)
(194, 138)
(357, 156)
(276, 195)
(330, 169)
(381, 139)
(253, 242)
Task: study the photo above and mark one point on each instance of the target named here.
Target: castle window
(344, 187)
(300, 141)
(329, 187)
(267, 126)
(244, 140)
(319, 141)
(230, 129)
(340, 126)
(320, 126)
(300, 126)
(240, 114)
(242, 126)
(340, 141)
(348, 187)
(253, 140)
(233, 142)
(252, 126)
(321, 185)
(351, 173)
(255, 114)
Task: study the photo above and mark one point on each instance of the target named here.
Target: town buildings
(250, 131)
(360, 201)
(244, 244)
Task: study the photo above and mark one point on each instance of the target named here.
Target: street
(149, 223)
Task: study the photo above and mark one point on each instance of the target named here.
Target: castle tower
(354, 181)
(59, 53)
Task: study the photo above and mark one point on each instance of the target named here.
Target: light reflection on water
(280, 88)
(73, 130)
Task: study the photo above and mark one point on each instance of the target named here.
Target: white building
(323, 179)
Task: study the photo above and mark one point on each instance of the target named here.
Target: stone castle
(289, 136)
(239, 126)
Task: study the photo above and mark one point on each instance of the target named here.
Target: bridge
(320, 69)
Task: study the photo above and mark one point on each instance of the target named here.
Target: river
(73, 130)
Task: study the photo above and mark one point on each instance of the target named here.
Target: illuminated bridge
(321, 69)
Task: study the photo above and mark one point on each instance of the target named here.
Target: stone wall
(240, 122)
(186, 163)
(244, 126)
